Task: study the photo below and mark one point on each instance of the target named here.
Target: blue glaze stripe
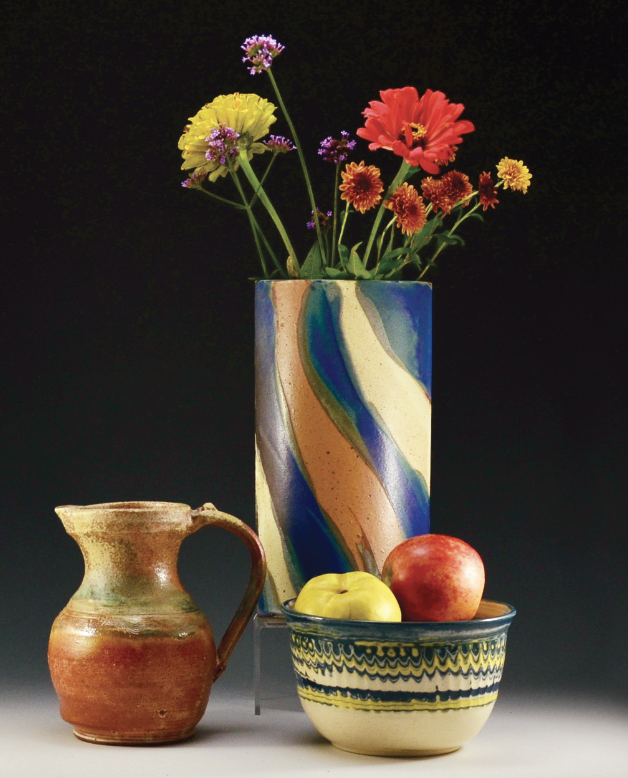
(405, 488)
(310, 547)
(398, 305)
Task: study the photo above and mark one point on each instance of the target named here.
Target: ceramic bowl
(399, 689)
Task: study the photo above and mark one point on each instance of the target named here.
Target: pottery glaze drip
(131, 656)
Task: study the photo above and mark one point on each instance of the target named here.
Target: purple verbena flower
(222, 142)
(336, 150)
(260, 51)
(279, 145)
(323, 220)
(195, 180)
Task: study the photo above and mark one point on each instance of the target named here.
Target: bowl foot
(396, 733)
(399, 752)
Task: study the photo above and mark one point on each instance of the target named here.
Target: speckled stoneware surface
(131, 656)
(343, 425)
(399, 689)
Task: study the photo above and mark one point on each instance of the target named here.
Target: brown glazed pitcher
(131, 656)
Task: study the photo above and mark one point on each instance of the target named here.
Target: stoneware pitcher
(131, 656)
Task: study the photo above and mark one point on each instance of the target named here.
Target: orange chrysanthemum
(407, 205)
(456, 187)
(422, 131)
(487, 191)
(445, 192)
(514, 174)
(361, 186)
(434, 192)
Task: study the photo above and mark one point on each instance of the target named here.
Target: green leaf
(415, 259)
(394, 253)
(445, 237)
(311, 268)
(333, 272)
(390, 270)
(424, 235)
(388, 265)
(343, 253)
(476, 216)
(355, 266)
(412, 172)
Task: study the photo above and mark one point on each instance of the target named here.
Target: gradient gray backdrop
(127, 313)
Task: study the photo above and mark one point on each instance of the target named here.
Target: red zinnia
(361, 186)
(451, 158)
(407, 205)
(487, 191)
(422, 131)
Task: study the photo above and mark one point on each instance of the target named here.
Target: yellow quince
(357, 596)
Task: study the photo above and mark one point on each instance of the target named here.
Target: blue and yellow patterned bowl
(399, 689)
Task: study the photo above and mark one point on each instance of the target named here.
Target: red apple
(435, 578)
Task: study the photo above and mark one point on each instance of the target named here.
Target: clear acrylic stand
(260, 623)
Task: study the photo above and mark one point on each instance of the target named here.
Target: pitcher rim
(126, 506)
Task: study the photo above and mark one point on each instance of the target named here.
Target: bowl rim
(491, 621)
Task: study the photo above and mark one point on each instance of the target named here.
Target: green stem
(252, 221)
(380, 243)
(220, 199)
(397, 181)
(266, 172)
(297, 143)
(458, 222)
(335, 227)
(381, 238)
(344, 221)
(269, 249)
(259, 190)
(466, 216)
(390, 243)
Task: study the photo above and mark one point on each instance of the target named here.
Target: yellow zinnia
(249, 115)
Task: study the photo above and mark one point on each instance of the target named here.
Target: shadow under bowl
(399, 688)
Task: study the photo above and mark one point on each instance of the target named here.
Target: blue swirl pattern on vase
(343, 408)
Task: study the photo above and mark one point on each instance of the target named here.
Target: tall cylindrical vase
(343, 425)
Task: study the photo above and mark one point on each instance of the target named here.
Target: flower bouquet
(413, 223)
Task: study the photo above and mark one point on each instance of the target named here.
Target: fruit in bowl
(435, 578)
(421, 686)
(356, 596)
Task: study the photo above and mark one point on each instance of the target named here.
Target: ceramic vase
(343, 425)
(131, 656)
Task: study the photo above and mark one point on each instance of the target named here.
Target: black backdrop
(127, 329)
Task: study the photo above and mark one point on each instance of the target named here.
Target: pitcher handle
(208, 514)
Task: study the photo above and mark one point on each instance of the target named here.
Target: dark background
(127, 313)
